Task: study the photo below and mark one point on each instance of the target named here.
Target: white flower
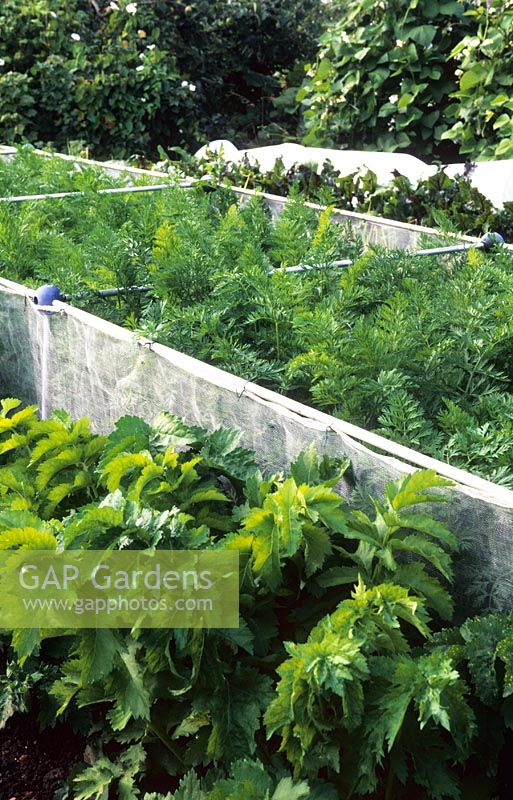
(184, 84)
(139, 68)
(192, 87)
(399, 42)
(75, 37)
(2, 62)
(113, 6)
(393, 98)
(151, 46)
(131, 8)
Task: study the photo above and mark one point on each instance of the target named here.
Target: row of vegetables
(440, 201)
(352, 673)
(415, 348)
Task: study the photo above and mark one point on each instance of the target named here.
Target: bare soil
(34, 764)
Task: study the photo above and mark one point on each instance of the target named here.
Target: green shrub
(428, 77)
(483, 112)
(124, 77)
(382, 78)
(90, 77)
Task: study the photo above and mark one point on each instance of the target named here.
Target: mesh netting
(69, 359)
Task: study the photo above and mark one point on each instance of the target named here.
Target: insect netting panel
(67, 358)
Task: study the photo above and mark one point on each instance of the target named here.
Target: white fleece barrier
(494, 179)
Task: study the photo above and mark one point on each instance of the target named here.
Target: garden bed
(462, 198)
(410, 347)
(203, 712)
(373, 229)
(343, 339)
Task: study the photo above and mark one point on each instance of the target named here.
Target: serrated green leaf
(241, 637)
(9, 404)
(414, 489)
(283, 505)
(21, 519)
(97, 649)
(68, 685)
(122, 466)
(325, 505)
(131, 435)
(305, 469)
(414, 577)
(93, 782)
(317, 547)
(265, 545)
(236, 708)
(25, 642)
(27, 538)
(189, 789)
(135, 697)
(338, 576)
(204, 496)
(191, 724)
(288, 790)
(430, 526)
(47, 470)
(427, 550)
(170, 431)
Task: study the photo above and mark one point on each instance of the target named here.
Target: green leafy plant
(57, 456)
(16, 686)
(166, 486)
(397, 529)
(356, 686)
(179, 699)
(482, 110)
(247, 780)
(369, 86)
(340, 657)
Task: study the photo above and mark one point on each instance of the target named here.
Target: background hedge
(126, 76)
(431, 77)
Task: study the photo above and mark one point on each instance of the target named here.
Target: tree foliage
(123, 77)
